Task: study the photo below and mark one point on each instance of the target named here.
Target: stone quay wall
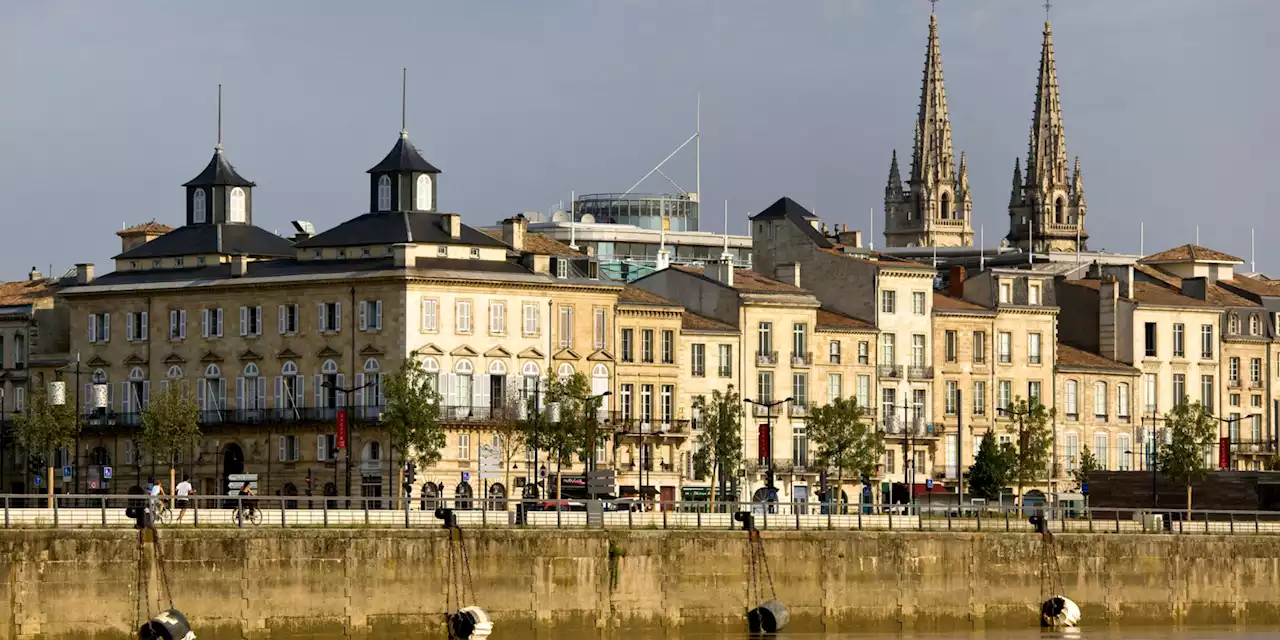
(358, 583)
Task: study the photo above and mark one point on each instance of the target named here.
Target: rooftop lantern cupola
(403, 180)
(219, 195)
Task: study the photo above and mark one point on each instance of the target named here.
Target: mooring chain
(752, 573)
(466, 561)
(164, 576)
(141, 600)
(764, 560)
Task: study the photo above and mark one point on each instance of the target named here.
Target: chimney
(513, 230)
(788, 272)
(239, 265)
(400, 255)
(453, 225)
(721, 271)
(955, 281)
(1197, 288)
(537, 262)
(1108, 308)
(84, 272)
(1123, 275)
(34, 275)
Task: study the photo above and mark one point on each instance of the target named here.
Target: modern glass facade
(644, 210)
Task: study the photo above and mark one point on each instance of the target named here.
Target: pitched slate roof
(398, 227)
(1070, 357)
(942, 302)
(1254, 286)
(1190, 253)
(224, 239)
(694, 322)
(403, 157)
(631, 294)
(787, 208)
(218, 173)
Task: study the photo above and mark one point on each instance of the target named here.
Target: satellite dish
(560, 216)
(587, 219)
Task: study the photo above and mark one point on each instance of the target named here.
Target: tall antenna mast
(573, 238)
(982, 247)
(404, 99)
(219, 146)
(1253, 264)
(1142, 239)
(1047, 7)
(726, 229)
(871, 237)
(697, 151)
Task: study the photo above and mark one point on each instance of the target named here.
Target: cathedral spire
(1047, 157)
(932, 161)
(1015, 196)
(894, 188)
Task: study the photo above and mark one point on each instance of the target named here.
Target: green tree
(1088, 464)
(45, 428)
(170, 421)
(992, 469)
(844, 442)
(509, 426)
(411, 414)
(1192, 431)
(718, 446)
(570, 428)
(1032, 442)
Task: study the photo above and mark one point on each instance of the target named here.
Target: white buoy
(1059, 613)
(471, 623)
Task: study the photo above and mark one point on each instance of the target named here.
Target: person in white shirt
(154, 491)
(183, 490)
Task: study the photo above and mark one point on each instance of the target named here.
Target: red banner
(1224, 453)
(764, 442)
(342, 429)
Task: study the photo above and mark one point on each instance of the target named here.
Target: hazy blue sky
(108, 107)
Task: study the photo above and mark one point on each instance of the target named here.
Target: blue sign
(466, 476)
(37, 481)
(66, 472)
(106, 472)
(928, 484)
(1084, 488)
(866, 490)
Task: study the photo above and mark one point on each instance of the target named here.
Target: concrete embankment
(375, 583)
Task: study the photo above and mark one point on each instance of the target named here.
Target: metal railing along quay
(109, 511)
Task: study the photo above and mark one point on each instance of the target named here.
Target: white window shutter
(93, 327)
(262, 393)
(128, 327)
(240, 393)
(424, 314)
(142, 335)
(111, 397)
(364, 315)
(341, 397)
(200, 395)
(222, 395)
(146, 394)
(542, 393)
(182, 324)
(319, 392)
(204, 323)
(323, 326)
(321, 450)
(279, 392)
(220, 317)
(281, 322)
(480, 391)
(283, 452)
(337, 319)
(361, 392)
(382, 389)
(377, 314)
(126, 403)
(298, 396)
(244, 321)
(106, 328)
(450, 390)
(257, 321)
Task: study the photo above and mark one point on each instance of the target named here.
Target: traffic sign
(243, 477)
(93, 484)
(66, 472)
(37, 481)
(928, 484)
(106, 473)
(466, 476)
(1084, 488)
(490, 462)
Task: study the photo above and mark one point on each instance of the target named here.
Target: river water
(1152, 633)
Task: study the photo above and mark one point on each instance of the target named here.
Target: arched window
(384, 193)
(530, 369)
(198, 206)
(251, 370)
(423, 192)
(946, 206)
(372, 451)
(289, 369)
(1060, 210)
(136, 374)
(565, 371)
(497, 368)
(1255, 324)
(99, 376)
(236, 204)
(371, 366)
(464, 368)
(174, 372)
(212, 371)
(1235, 323)
(430, 365)
(329, 367)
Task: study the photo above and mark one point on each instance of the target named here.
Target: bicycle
(161, 513)
(246, 512)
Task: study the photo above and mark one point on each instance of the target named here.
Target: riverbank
(371, 582)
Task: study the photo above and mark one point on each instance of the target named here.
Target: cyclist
(154, 491)
(246, 503)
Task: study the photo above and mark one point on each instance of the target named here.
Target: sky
(108, 107)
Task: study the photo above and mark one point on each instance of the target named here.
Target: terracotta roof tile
(26, 291)
(881, 259)
(1188, 253)
(1215, 293)
(1071, 357)
(695, 322)
(944, 302)
(632, 294)
(1255, 286)
(539, 243)
(828, 319)
(748, 281)
(152, 228)
(1153, 294)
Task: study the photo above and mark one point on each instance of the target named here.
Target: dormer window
(200, 261)
(442, 252)
(317, 254)
(155, 264)
(384, 193)
(475, 253)
(178, 262)
(423, 193)
(342, 253)
(236, 213)
(562, 268)
(365, 252)
(133, 264)
(198, 206)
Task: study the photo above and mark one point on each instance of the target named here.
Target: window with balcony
(799, 342)
(800, 390)
(646, 404)
(1033, 348)
(764, 342)
(668, 406)
(624, 403)
(917, 351)
(799, 446)
(888, 404)
(919, 400)
(764, 387)
(888, 349)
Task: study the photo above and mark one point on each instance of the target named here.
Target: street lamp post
(768, 406)
(348, 391)
(1229, 421)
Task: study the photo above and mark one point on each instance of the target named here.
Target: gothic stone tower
(1047, 207)
(934, 208)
